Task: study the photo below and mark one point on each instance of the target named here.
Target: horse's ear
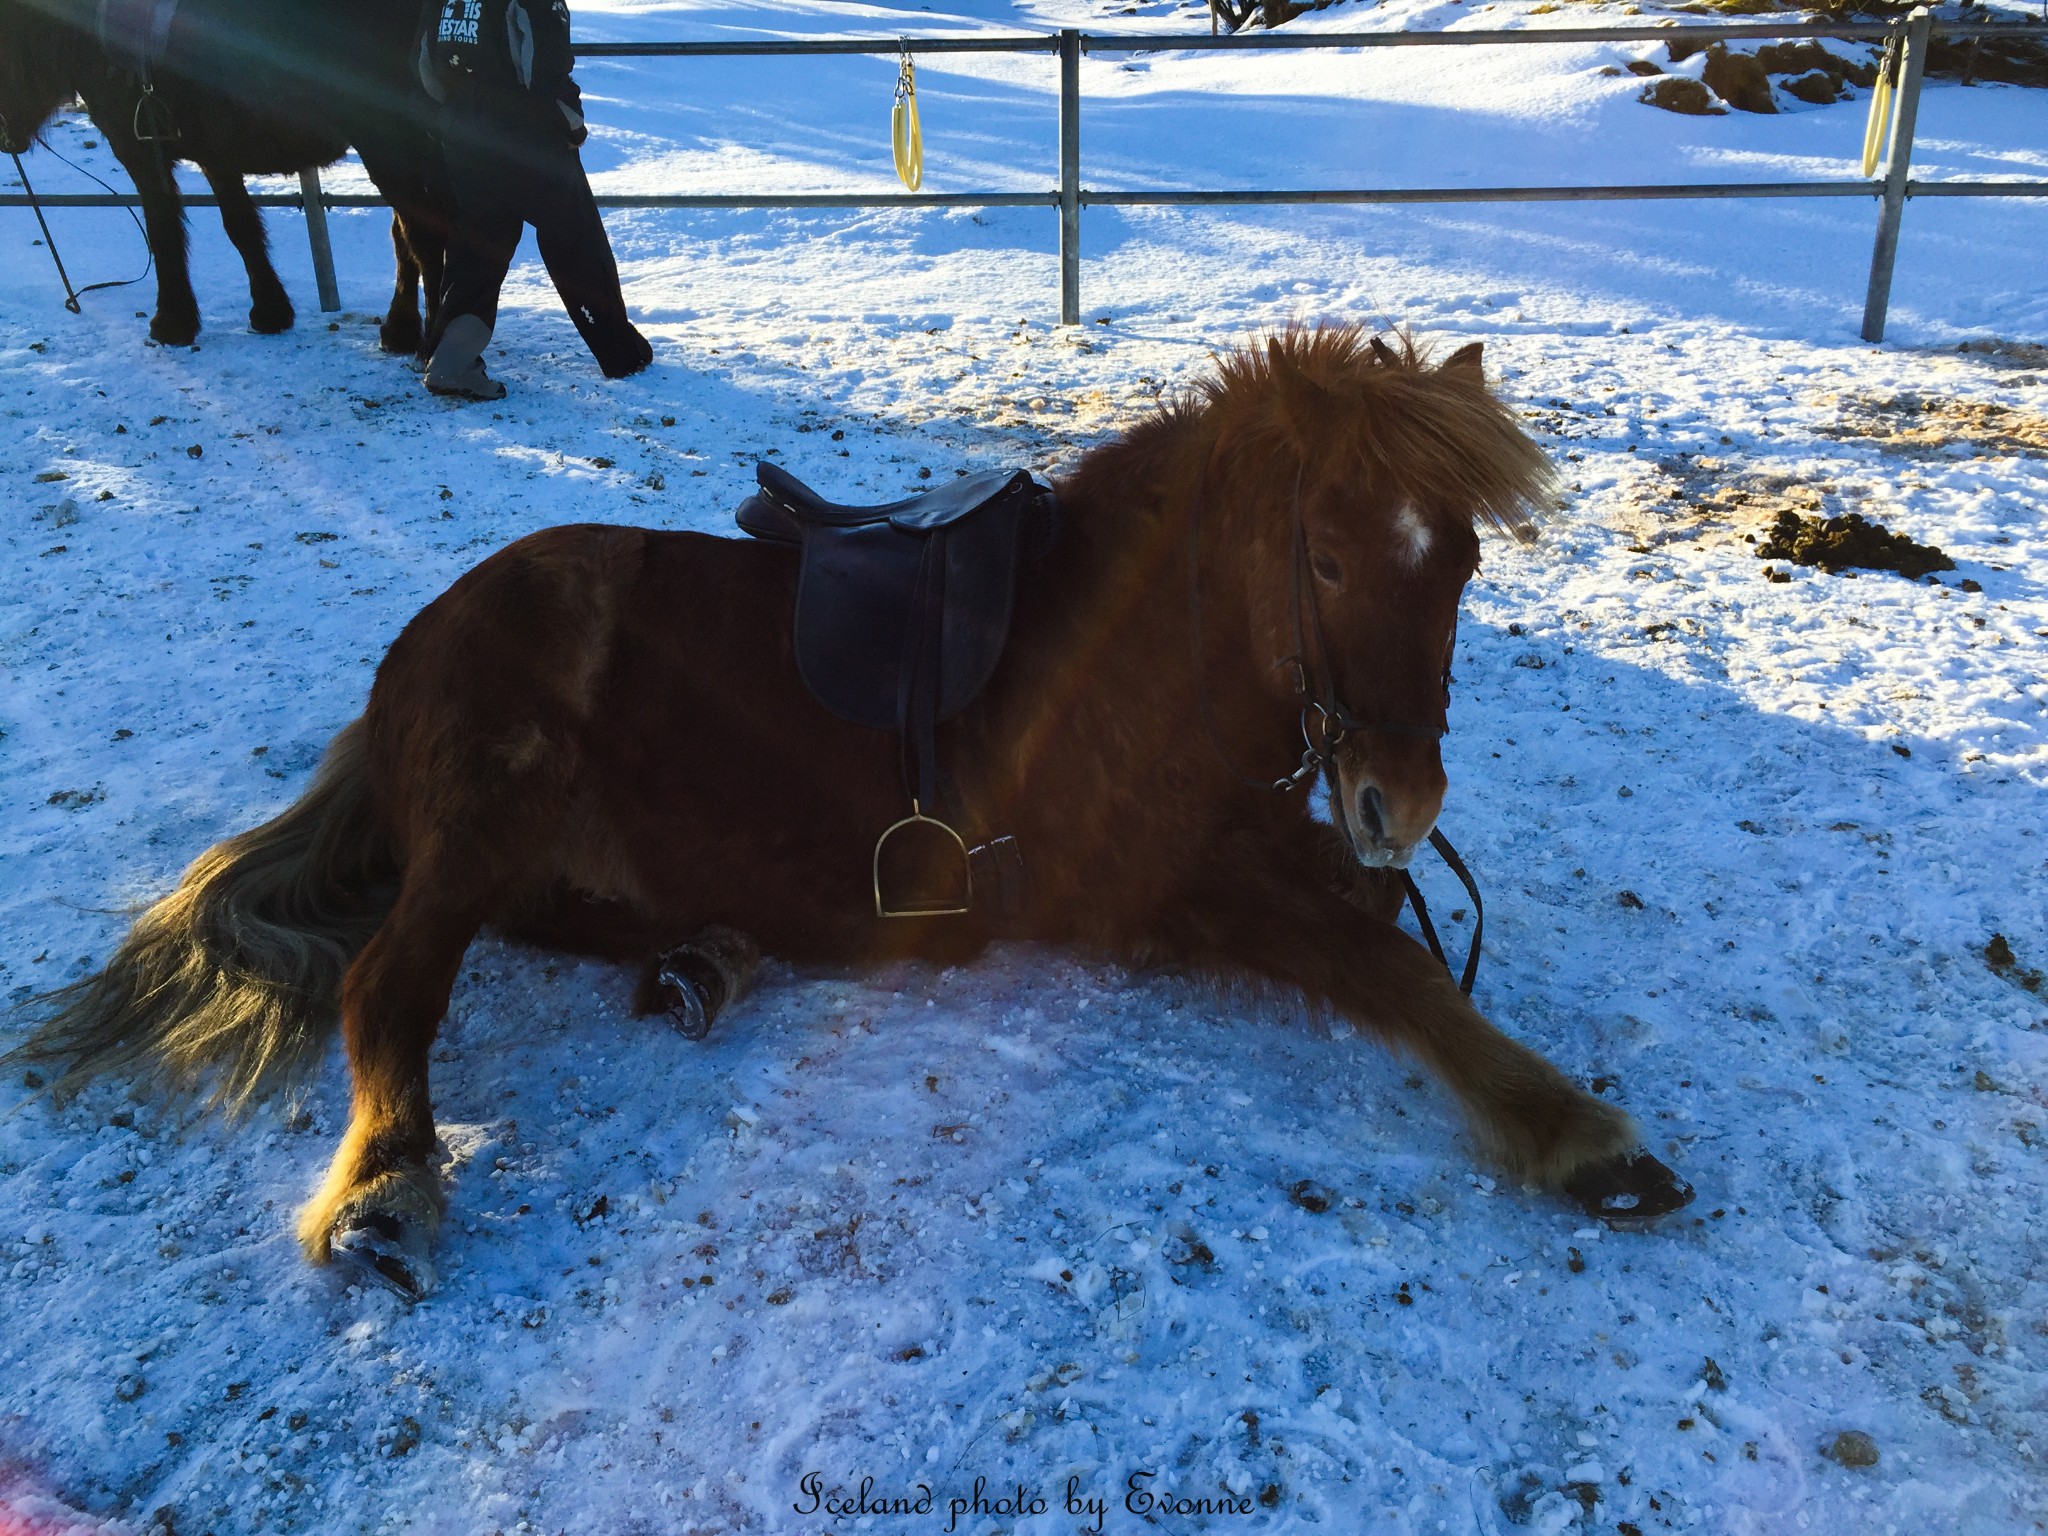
(1303, 395)
(1466, 359)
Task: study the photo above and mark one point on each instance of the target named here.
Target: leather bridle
(1326, 720)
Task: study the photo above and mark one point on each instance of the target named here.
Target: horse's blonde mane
(1345, 401)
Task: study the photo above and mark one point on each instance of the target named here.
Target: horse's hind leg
(691, 981)
(428, 236)
(381, 1203)
(695, 981)
(400, 331)
(270, 307)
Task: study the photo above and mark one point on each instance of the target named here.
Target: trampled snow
(1030, 1222)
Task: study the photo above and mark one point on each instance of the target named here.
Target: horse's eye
(1326, 569)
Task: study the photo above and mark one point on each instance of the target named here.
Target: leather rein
(1326, 720)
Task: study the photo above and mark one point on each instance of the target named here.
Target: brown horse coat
(598, 739)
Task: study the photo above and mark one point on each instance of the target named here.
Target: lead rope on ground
(49, 240)
(71, 295)
(906, 134)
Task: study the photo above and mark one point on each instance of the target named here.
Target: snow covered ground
(1029, 1222)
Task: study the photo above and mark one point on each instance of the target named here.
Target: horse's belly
(730, 792)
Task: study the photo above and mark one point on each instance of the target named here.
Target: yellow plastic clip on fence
(906, 134)
(1880, 107)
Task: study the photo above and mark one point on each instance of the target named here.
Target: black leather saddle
(902, 612)
(135, 35)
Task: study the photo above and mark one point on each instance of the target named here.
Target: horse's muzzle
(1384, 830)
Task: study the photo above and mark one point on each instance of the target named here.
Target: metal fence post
(316, 237)
(1070, 176)
(1898, 165)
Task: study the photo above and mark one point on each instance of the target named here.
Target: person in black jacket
(511, 125)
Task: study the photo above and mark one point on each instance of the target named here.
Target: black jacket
(500, 54)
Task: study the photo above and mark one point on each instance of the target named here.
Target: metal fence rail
(1893, 187)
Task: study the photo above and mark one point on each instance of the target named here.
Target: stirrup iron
(951, 850)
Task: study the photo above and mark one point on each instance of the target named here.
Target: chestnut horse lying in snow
(598, 739)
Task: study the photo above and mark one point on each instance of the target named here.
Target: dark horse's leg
(176, 322)
(401, 331)
(270, 308)
(404, 163)
(427, 235)
(1283, 902)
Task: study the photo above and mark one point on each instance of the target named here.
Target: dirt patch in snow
(2012, 354)
(1921, 425)
(1703, 498)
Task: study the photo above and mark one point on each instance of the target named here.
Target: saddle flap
(903, 608)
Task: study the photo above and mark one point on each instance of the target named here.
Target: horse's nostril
(1372, 820)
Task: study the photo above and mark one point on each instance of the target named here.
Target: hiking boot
(457, 366)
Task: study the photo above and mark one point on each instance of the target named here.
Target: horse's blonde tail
(235, 976)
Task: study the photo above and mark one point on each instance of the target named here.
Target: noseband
(1327, 722)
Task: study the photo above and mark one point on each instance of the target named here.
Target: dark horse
(243, 87)
(598, 740)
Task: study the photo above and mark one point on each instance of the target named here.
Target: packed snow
(1031, 1229)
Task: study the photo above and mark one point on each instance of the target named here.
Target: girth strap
(918, 678)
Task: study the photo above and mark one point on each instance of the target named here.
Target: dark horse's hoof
(1633, 1187)
(272, 317)
(384, 1249)
(172, 330)
(402, 334)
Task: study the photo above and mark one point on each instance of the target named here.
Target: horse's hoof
(694, 982)
(272, 319)
(401, 335)
(387, 1250)
(174, 331)
(1627, 1189)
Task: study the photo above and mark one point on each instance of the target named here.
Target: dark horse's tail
(234, 978)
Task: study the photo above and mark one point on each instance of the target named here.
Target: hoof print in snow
(1632, 1188)
(387, 1250)
(1851, 1448)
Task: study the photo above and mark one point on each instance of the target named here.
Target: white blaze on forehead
(1412, 534)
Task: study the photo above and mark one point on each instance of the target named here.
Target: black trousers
(509, 167)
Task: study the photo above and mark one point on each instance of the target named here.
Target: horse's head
(38, 54)
(1358, 475)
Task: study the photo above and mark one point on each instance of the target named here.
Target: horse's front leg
(270, 307)
(1284, 904)
(381, 1204)
(176, 322)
